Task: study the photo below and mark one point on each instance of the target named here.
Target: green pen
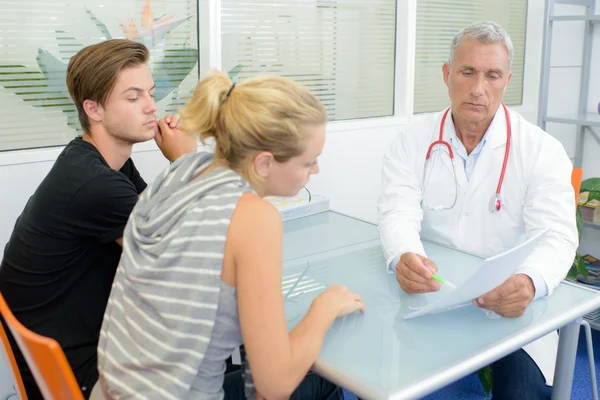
(443, 281)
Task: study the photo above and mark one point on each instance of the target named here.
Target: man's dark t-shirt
(60, 261)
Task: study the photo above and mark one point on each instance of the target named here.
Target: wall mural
(170, 64)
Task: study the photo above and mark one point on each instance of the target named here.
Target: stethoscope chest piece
(495, 204)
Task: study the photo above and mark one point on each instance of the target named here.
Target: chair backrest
(45, 359)
(13, 364)
(576, 182)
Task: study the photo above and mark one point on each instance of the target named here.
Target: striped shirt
(171, 322)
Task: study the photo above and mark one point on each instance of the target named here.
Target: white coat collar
(495, 135)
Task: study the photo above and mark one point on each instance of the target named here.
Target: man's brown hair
(92, 72)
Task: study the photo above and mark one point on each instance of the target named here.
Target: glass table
(379, 355)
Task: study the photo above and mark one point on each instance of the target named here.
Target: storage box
(591, 210)
(296, 207)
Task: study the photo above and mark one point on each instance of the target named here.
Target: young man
(59, 264)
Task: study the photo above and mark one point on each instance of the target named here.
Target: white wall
(563, 99)
(351, 167)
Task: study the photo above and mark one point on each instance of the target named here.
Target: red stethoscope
(495, 202)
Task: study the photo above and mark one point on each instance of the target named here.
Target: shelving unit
(593, 319)
(593, 225)
(585, 121)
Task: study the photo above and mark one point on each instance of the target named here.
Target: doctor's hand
(509, 299)
(413, 273)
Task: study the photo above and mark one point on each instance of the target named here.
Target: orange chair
(45, 359)
(13, 364)
(576, 182)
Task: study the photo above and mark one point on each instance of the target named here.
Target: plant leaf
(233, 72)
(156, 35)
(485, 377)
(172, 69)
(572, 274)
(593, 196)
(103, 29)
(579, 219)
(309, 194)
(53, 69)
(48, 89)
(580, 264)
(590, 185)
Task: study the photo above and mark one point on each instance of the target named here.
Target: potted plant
(592, 187)
(578, 268)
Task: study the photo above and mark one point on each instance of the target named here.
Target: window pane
(341, 50)
(437, 23)
(39, 37)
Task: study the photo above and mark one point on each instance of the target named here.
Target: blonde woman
(202, 255)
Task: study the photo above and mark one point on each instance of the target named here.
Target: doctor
(491, 179)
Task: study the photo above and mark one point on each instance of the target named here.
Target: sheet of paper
(492, 272)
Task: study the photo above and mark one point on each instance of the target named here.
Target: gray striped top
(170, 321)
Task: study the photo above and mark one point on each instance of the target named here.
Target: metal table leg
(565, 361)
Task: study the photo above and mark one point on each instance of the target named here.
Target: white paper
(491, 274)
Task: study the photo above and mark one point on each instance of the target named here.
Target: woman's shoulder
(252, 208)
(254, 221)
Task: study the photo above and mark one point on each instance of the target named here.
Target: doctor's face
(477, 79)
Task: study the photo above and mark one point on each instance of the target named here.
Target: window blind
(437, 23)
(341, 50)
(37, 39)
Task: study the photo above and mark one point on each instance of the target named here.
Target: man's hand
(509, 299)
(171, 141)
(413, 273)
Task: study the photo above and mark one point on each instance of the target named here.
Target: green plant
(309, 194)
(591, 186)
(485, 377)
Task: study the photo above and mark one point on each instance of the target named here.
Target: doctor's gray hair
(487, 32)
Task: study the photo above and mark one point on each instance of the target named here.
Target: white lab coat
(536, 193)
